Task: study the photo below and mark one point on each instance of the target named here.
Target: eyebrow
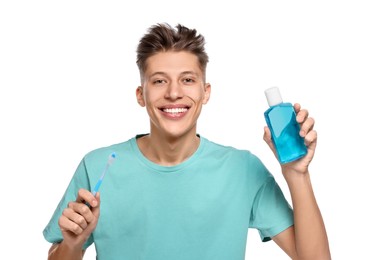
(182, 73)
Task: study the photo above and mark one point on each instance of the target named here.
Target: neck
(168, 151)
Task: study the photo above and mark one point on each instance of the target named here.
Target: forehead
(172, 62)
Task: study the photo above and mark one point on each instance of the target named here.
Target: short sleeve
(271, 213)
(52, 232)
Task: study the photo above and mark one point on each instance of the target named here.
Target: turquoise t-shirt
(199, 209)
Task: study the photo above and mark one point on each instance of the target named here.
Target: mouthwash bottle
(281, 119)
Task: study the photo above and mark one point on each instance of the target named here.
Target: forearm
(61, 251)
(310, 233)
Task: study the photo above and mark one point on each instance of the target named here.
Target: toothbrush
(110, 161)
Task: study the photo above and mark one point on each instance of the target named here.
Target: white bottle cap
(273, 96)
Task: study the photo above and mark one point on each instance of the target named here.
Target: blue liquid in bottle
(281, 119)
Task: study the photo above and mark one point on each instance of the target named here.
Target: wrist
(71, 249)
(295, 177)
(63, 251)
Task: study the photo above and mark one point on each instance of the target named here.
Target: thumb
(96, 210)
(267, 138)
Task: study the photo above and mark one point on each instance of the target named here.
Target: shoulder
(240, 159)
(104, 152)
(230, 151)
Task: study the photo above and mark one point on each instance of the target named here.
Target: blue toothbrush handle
(97, 186)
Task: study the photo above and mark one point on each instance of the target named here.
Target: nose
(174, 91)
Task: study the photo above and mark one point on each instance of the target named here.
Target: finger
(67, 225)
(311, 139)
(297, 107)
(75, 217)
(267, 134)
(267, 138)
(306, 126)
(95, 213)
(96, 210)
(302, 115)
(86, 196)
(82, 209)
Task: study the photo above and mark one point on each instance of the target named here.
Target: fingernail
(94, 203)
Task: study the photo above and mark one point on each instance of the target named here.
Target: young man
(172, 194)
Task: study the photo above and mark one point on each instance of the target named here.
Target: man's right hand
(79, 220)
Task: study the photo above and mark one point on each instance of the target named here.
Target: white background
(68, 78)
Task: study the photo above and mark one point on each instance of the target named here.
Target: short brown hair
(163, 37)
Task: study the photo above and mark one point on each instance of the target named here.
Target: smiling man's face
(173, 93)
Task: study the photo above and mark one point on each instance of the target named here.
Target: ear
(139, 96)
(207, 89)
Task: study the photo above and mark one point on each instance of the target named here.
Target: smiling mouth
(177, 110)
(174, 112)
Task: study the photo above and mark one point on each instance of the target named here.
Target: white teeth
(175, 110)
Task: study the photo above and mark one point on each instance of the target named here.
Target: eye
(188, 80)
(159, 81)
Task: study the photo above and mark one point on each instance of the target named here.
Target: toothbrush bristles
(111, 158)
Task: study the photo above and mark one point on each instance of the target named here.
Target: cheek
(198, 96)
(194, 93)
(150, 97)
